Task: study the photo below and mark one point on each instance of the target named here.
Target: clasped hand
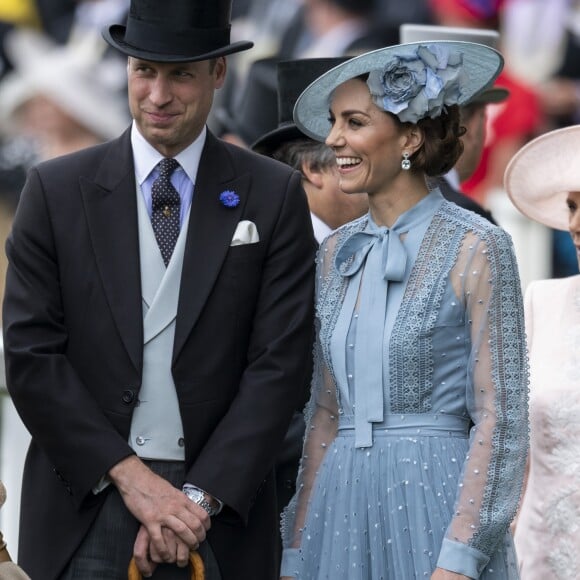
(171, 524)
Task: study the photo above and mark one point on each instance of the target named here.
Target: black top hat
(255, 112)
(293, 77)
(175, 30)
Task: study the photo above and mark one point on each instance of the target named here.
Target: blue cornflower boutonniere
(229, 198)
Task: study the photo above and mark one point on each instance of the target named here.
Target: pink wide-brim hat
(540, 175)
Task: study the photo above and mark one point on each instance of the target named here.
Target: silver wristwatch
(197, 496)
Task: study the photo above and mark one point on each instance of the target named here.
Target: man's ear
(220, 69)
(313, 176)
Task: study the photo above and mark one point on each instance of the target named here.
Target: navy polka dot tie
(165, 209)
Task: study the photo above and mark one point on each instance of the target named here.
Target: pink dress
(547, 536)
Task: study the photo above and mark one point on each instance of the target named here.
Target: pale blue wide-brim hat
(413, 81)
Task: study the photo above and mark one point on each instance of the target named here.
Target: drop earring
(406, 162)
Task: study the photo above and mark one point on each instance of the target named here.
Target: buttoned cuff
(289, 566)
(462, 559)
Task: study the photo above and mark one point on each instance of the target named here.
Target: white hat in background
(74, 76)
(542, 173)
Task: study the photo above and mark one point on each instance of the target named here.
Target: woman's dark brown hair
(442, 145)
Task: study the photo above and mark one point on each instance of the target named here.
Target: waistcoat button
(128, 396)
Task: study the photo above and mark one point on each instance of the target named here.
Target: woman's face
(573, 202)
(368, 142)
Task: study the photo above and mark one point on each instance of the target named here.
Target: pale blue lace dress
(417, 426)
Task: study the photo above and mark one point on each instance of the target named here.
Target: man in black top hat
(157, 319)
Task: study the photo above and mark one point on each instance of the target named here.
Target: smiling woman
(416, 400)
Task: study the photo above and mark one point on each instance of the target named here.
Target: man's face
(473, 142)
(170, 102)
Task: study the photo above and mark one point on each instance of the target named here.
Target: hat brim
(268, 143)
(542, 173)
(490, 96)
(482, 63)
(115, 34)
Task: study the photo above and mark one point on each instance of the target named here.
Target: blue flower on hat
(420, 84)
(229, 198)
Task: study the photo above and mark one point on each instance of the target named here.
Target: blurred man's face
(473, 142)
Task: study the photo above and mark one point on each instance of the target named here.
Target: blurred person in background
(325, 28)
(396, 12)
(543, 183)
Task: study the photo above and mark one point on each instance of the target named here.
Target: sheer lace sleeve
(487, 499)
(321, 416)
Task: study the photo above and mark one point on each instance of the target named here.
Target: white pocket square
(246, 233)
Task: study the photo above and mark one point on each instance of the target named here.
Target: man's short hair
(318, 156)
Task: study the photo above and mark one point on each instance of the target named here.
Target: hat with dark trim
(293, 77)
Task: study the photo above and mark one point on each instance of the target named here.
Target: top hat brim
(115, 36)
(267, 144)
(541, 174)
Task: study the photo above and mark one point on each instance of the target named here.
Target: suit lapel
(111, 210)
(211, 227)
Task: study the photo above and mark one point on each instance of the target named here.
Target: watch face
(198, 497)
(195, 495)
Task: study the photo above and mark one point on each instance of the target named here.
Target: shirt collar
(452, 178)
(146, 157)
(321, 230)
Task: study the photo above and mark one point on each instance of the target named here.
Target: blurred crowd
(61, 89)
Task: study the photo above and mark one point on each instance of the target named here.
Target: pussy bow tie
(380, 240)
(381, 249)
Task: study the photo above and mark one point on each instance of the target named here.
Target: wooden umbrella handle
(195, 562)
(4, 555)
